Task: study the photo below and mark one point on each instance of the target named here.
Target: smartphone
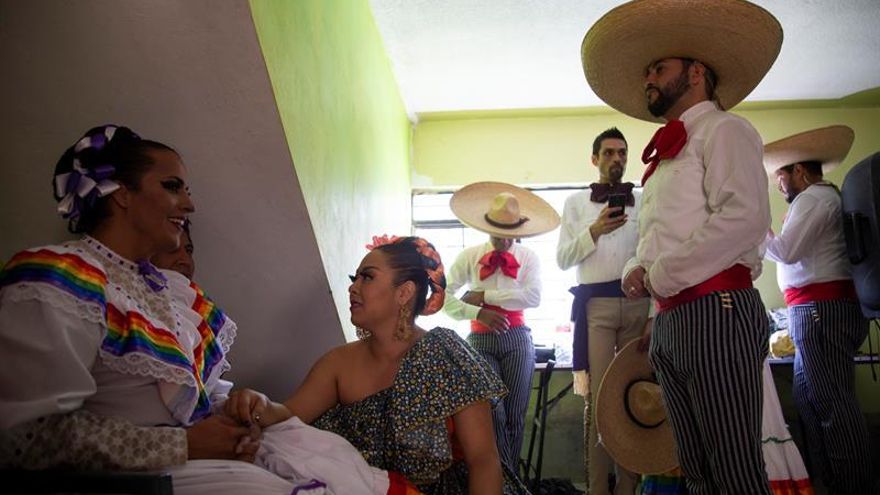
(617, 200)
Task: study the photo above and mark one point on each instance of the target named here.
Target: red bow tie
(494, 260)
(600, 192)
(666, 143)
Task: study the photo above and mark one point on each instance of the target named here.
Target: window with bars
(433, 220)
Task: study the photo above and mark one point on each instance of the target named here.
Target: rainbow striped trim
(205, 307)
(209, 353)
(131, 332)
(67, 272)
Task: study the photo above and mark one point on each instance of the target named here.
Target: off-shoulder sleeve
(439, 377)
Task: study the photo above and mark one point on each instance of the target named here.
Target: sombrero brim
(828, 145)
(738, 40)
(638, 449)
(471, 203)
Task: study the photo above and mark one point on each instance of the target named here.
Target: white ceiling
(451, 55)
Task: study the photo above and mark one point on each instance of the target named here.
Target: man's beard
(668, 95)
(615, 173)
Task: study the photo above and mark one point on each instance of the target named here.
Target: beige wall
(190, 74)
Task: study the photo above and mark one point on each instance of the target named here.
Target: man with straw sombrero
(503, 279)
(824, 317)
(705, 212)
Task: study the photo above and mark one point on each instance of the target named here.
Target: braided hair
(415, 259)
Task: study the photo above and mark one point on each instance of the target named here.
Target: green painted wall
(346, 126)
(553, 146)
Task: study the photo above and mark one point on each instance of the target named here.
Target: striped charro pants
(512, 355)
(827, 335)
(709, 356)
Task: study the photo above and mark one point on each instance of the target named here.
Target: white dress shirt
(708, 208)
(603, 260)
(498, 289)
(811, 248)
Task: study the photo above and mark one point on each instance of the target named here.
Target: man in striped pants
(824, 317)
(503, 278)
(705, 212)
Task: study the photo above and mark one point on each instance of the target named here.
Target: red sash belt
(822, 291)
(734, 278)
(514, 318)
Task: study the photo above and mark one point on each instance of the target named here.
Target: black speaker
(861, 226)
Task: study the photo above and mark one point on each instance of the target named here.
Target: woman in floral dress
(412, 401)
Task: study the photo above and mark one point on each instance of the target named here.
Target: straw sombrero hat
(631, 417)
(503, 210)
(828, 145)
(738, 40)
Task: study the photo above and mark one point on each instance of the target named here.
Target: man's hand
(220, 437)
(645, 341)
(473, 297)
(493, 319)
(633, 284)
(605, 223)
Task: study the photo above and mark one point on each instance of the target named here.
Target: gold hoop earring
(404, 327)
(362, 334)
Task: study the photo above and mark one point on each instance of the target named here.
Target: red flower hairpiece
(382, 240)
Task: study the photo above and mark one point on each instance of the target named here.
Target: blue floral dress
(407, 428)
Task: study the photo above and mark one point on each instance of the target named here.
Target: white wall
(190, 74)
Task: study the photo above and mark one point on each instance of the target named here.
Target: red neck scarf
(666, 143)
(493, 260)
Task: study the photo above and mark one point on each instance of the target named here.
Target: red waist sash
(822, 291)
(734, 278)
(514, 319)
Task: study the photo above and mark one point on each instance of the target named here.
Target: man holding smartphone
(599, 234)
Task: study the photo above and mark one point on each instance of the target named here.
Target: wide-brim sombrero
(471, 203)
(828, 145)
(636, 448)
(738, 40)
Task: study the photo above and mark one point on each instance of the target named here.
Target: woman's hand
(246, 406)
(250, 407)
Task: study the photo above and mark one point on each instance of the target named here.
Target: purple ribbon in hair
(80, 188)
(153, 277)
